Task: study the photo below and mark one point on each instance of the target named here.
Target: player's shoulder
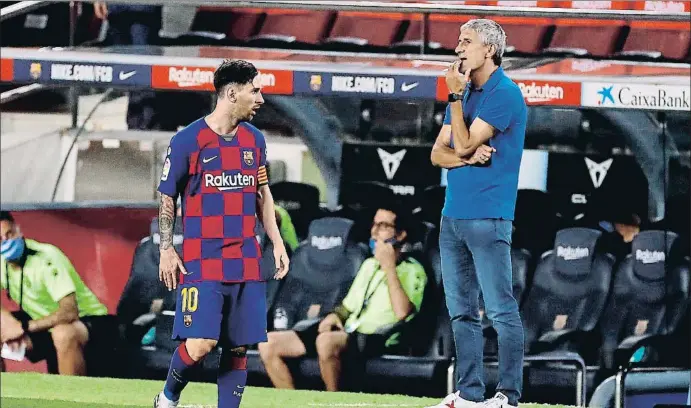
(507, 88)
(258, 134)
(188, 135)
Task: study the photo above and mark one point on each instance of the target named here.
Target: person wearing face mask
(58, 313)
(387, 290)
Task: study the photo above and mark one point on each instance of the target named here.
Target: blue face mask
(12, 249)
(373, 243)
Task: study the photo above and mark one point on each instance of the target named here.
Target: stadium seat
(289, 28)
(301, 200)
(597, 38)
(646, 388)
(363, 31)
(430, 202)
(657, 40)
(535, 223)
(443, 31)
(525, 35)
(561, 310)
(237, 25)
(321, 272)
(658, 309)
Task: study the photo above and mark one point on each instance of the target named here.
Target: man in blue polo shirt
(486, 116)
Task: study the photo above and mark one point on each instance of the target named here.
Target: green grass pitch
(31, 390)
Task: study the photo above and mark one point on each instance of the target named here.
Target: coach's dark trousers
(476, 255)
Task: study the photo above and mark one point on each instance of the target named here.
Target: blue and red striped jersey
(218, 179)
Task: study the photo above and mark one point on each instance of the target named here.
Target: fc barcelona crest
(315, 82)
(35, 70)
(187, 320)
(248, 157)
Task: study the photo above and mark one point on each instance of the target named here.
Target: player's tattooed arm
(166, 220)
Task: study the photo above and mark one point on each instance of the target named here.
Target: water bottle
(280, 319)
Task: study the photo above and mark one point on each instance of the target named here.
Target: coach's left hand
(455, 81)
(282, 261)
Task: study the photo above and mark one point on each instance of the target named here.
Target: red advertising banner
(556, 93)
(6, 70)
(202, 79)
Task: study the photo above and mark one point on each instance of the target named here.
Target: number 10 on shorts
(190, 299)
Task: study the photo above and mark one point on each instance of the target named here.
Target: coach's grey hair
(490, 33)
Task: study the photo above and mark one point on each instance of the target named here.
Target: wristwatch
(453, 97)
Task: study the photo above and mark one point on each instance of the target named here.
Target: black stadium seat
(562, 308)
(650, 325)
(655, 310)
(431, 202)
(301, 200)
(535, 222)
(646, 389)
(321, 272)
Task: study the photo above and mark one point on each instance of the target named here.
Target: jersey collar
(492, 82)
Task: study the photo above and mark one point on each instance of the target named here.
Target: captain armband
(342, 313)
(262, 176)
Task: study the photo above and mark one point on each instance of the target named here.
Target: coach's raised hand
(456, 80)
(170, 262)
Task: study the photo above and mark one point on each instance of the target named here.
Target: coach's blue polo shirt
(490, 192)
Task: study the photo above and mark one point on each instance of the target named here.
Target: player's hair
(6, 216)
(233, 72)
(490, 33)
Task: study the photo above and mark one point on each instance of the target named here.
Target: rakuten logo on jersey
(550, 93)
(229, 181)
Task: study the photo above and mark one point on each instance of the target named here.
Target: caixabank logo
(637, 96)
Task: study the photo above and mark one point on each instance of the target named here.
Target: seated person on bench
(388, 289)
